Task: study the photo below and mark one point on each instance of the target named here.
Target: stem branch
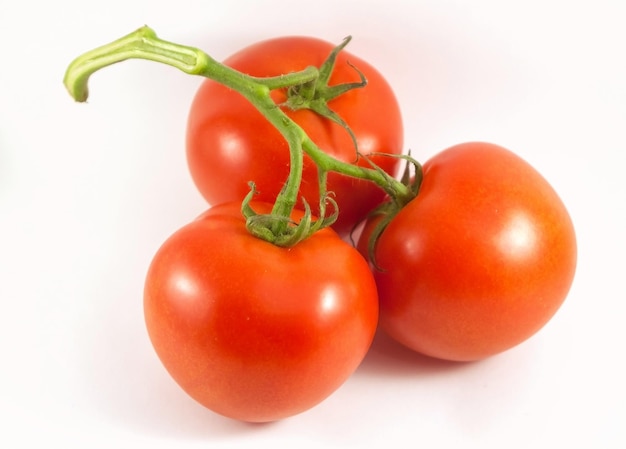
(144, 44)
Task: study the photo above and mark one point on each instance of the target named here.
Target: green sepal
(412, 177)
(315, 95)
(263, 225)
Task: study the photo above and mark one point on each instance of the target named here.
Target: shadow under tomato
(389, 358)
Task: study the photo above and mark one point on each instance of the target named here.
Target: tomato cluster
(478, 262)
(470, 257)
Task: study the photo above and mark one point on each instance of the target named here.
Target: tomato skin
(479, 261)
(229, 143)
(253, 331)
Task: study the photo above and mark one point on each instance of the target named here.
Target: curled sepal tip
(271, 227)
(386, 218)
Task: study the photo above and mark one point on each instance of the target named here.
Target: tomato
(229, 143)
(253, 331)
(479, 261)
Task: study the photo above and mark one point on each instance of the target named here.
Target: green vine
(306, 89)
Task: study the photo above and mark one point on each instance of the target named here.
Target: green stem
(144, 44)
(390, 185)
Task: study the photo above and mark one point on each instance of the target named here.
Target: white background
(89, 191)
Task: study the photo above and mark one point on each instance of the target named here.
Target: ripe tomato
(253, 331)
(229, 143)
(479, 261)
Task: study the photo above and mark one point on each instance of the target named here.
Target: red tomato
(229, 143)
(253, 331)
(479, 261)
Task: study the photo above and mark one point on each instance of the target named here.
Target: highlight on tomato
(479, 261)
(254, 331)
(230, 143)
